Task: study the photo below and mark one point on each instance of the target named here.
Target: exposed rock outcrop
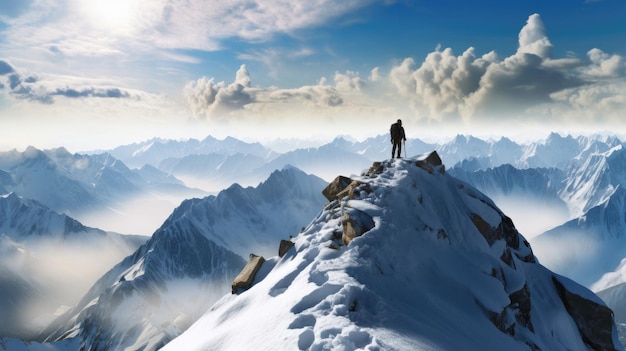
(244, 279)
(355, 223)
(594, 321)
(284, 246)
(335, 187)
(431, 162)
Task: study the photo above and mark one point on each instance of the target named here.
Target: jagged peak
(32, 152)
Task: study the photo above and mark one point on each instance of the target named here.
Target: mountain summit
(406, 257)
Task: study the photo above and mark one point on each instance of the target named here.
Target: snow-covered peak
(22, 219)
(591, 183)
(439, 267)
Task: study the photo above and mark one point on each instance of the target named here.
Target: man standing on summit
(397, 136)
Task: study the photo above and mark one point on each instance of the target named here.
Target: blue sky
(91, 73)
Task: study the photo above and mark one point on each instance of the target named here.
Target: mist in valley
(139, 215)
(532, 215)
(48, 277)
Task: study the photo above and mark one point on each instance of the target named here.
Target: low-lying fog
(56, 274)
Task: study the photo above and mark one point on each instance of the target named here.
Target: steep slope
(595, 179)
(438, 267)
(154, 294)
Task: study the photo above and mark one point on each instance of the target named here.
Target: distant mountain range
(88, 187)
(580, 178)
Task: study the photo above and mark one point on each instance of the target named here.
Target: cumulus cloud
(533, 38)
(442, 82)
(349, 81)
(604, 65)
(212, 100)
(446, 85)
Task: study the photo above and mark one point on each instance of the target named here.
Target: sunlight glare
(117, 16)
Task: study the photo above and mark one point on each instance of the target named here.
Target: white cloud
(533, 39)
(529, 86)
(605, 65)
(401, 77)
(189, 24)
(215, 100)
(446, 86)
(592, 103)
(348, 82)
(374, 75)
(45, 88)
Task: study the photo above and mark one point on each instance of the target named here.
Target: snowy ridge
(22, 219)
(442, 268)
(595, 180)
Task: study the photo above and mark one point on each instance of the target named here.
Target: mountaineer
(397, 136)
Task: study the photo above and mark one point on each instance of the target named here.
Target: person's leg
(393, 149)
(399, 149)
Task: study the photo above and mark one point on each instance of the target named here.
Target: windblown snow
(442, 269)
